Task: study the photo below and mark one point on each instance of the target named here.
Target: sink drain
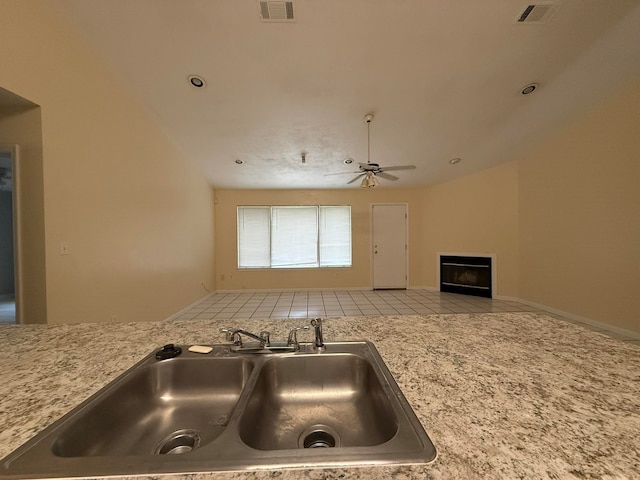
(319, 439)
(319, 436)
(180, 441)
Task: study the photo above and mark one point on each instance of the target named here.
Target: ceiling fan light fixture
(369, 181)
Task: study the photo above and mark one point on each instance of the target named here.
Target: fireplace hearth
(467, 275)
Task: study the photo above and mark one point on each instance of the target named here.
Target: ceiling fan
(369, 171)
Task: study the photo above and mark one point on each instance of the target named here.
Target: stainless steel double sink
(233, 411)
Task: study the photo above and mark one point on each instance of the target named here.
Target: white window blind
(335, 236)
(294, 237)
(254, 237)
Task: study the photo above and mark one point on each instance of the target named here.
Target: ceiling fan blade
(387, 176)
(356, 178)
(399, 167)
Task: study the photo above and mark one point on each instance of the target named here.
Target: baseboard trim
(578, 318)
(271, 290)
(340, 289)
(431, 289)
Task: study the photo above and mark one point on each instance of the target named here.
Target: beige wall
(475, 214)
(580, 216)
(23, 127)
(137, 216)
(229, 277)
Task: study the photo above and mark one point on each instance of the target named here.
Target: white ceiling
(442, 78)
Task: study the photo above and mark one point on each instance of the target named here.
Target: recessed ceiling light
(453, 161)
(527, 89)
(239, 162)
(348, 161)
(196, 81)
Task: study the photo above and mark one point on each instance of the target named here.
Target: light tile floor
(330, 303)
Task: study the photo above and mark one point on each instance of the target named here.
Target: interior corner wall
(137, 216)
(477, 213)
(24, 128)
(230, 277)
(579, 198)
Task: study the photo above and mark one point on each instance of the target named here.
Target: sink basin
(324, 400)
(233, 411)
(165, 407)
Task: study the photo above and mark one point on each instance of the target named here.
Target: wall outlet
(64, 248)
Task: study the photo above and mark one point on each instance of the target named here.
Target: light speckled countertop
(509, 395)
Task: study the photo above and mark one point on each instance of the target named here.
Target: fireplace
(466, 274)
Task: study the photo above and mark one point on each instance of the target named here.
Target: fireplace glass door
(466, 275)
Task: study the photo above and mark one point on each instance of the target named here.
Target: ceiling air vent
(539, 13)
(275, 11)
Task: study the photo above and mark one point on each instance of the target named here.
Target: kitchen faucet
(233, 335)
(263, 343)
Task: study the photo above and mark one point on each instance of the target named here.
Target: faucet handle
(292, 341)
(293, 337)
(304, 327)
(230, 334)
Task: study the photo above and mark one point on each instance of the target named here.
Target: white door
(389, 242)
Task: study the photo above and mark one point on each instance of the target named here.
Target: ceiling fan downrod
(368, 118)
